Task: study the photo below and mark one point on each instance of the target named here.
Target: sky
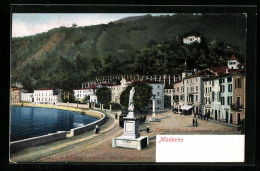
(25, 24)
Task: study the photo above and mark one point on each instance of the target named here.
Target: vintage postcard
(128, 87)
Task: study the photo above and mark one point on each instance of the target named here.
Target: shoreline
(81, 111)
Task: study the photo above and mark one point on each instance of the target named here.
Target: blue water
(27, 122)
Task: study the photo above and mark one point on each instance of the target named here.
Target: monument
(153, 118)
(131, 137)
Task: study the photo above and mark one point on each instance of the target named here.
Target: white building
(191, 39)
(233, 63)
(27, 97)
(90, 91)
(93, 99)
(81, 93)
(47, 96)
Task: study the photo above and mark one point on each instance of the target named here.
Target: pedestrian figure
(116, 116)
(193, 121)
(196, 122)
(144, 118)
(147, 129)
(96, 130)
(207, 117)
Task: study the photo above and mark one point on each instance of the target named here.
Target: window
(196, 79)
(229, 79)
(238, 101)
(196, 98)
(158, 101)
(213, 95)
(187, 88)
(212, 82)
(229, 100)
(210, 89)
(230, 88)
(222, 100)
(158, 93)
(177, 89)
(197, 89)
(209, 101)
(239, 83)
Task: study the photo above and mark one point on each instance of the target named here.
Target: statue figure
(130, 104)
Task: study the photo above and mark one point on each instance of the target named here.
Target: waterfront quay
(90, 147)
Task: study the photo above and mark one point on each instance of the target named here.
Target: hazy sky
(25, 24)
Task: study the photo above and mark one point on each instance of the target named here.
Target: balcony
(236, 107)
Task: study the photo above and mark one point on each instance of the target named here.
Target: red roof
(218, 70)
(233, 57)
(244, 64)
(203, 72)
(45, 89)
(16, 88)
(179, 81)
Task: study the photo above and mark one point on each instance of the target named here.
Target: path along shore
(90, 147)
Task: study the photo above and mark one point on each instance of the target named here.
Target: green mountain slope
(35, 58)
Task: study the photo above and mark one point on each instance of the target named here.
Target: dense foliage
(143, 93)
(66, 57)
(103, 95)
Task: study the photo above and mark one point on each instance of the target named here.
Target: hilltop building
(191, 39)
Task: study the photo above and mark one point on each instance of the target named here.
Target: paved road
(98, 148)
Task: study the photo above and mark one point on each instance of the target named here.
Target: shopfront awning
(186, 107)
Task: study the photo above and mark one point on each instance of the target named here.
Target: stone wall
(91, 126)
(84, 106)
(35, 141)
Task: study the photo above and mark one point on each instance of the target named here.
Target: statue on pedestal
(131, 96)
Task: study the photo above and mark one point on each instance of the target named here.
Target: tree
(103, 95)
(143, 93)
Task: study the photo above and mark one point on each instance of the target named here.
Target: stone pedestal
(130, 128)
(138, 143)
(131, 137)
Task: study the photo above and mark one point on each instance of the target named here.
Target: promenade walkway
(98, 148)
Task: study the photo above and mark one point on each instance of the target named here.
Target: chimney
(227, 70)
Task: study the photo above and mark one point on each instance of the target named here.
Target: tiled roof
(233, 57)
(169, 86)
(201, 73)
(176, 82)
(244, 64)
(45, 89)
(16, 88)
(218, 70)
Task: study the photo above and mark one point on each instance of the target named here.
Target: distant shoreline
(72, 109)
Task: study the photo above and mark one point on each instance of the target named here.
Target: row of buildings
(216, 92)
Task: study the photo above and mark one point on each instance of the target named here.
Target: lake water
(27, 122)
